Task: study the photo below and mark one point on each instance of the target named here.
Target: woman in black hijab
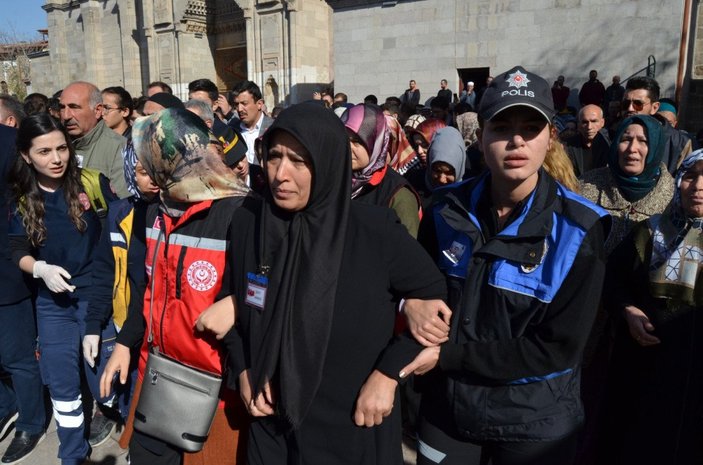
(316, 279)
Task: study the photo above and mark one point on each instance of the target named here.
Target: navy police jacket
(523, 300)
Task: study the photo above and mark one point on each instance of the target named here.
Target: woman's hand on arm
(424, 362)
(375, 400)
(218, 318)
(640, 327)
(260, 406)
(118, 363)
(428, 320)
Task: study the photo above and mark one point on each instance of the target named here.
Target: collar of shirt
(256, 127)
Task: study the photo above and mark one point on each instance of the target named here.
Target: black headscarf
(304, 250)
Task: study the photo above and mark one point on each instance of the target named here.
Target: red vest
(186, 278)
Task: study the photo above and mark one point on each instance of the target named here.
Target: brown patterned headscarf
(181, 157)
(402, 156)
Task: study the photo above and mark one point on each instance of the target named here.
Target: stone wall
(294, 47)
(289, 47)
(85, 44)
(285, 46)
(378, 49)
(691, 106)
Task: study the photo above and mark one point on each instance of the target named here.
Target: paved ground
(109, 453)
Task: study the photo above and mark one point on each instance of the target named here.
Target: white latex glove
(90, 348)
(53, 276)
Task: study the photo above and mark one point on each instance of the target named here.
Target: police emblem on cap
(517, 80)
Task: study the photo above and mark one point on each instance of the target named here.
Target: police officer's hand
(90, 348)
(53, 276)
(118, 363)
(428, 320)
(375, 401)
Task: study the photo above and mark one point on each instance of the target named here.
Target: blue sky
(22, 17)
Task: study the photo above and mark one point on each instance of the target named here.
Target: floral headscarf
(368, 123)
(402, 155)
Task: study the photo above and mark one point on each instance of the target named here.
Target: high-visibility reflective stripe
(117, 237)
(218, 245)
(430, 452)
(204, 243)
(68, 421)
(152, 233)
(68, 413)
(66, 406)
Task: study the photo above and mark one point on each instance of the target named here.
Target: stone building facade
(293, 47)
(283, 45)
(431, 40)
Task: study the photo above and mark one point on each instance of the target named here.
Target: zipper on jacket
(163, 310)
(179, 271)
(116, 285)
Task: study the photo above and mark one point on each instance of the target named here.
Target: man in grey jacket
(97, 146)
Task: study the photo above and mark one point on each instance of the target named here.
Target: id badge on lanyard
(257, 286)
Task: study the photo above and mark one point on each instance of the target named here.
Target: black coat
(13, 285)
(655, 394)
(381, 263)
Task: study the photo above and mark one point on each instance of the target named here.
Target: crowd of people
(490, 276)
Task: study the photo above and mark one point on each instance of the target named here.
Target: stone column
(90, 12)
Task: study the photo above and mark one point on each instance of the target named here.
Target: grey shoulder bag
(177, 403)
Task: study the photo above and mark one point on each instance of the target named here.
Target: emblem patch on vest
(455, 252)
(84, 200)
(202, 275)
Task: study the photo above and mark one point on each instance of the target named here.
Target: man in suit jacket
(249, 105)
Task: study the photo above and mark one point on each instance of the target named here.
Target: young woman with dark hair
(53, 232)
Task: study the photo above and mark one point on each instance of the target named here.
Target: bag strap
(150, 338)
(91, 185)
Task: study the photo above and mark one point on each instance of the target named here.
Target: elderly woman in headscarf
(316, 277)
(186, 253)
(654, 286)
(372, 181)
(635, 185)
